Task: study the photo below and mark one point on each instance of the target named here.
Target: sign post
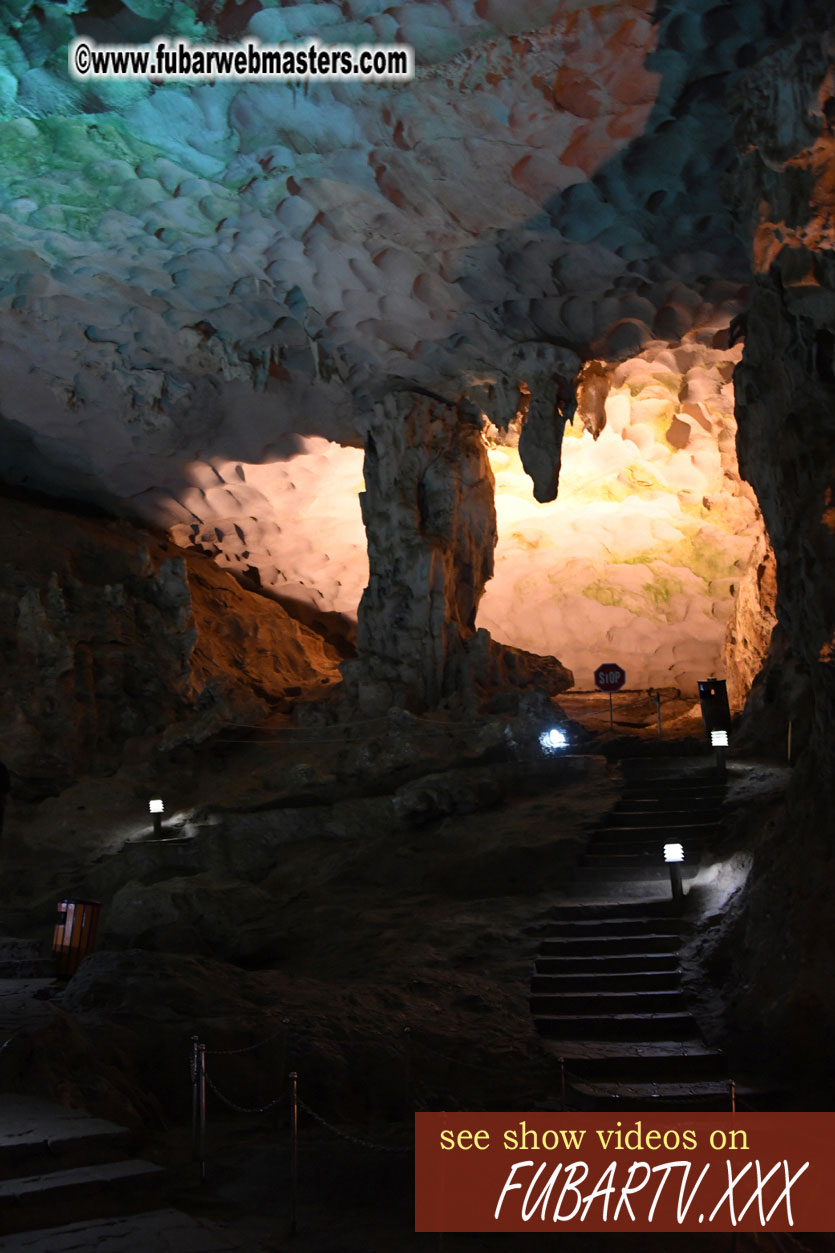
(610, 678)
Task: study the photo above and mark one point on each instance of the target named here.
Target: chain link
(242, 1109)
(249, 1048)
(344, 1135)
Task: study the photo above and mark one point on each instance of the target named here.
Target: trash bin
(716, 712)
(74, 935)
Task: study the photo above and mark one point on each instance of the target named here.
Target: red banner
(625, 1172)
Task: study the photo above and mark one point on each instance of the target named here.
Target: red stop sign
(610, 677)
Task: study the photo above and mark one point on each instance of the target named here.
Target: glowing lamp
(719, 739)
(674, 856)
(553, 739)
(156, 807)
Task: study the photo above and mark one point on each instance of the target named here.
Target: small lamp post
(674, 856)
(157, 808)
(719, 740)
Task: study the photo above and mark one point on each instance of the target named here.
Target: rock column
(430, 518)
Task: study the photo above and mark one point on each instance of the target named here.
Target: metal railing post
(203, 1090)
(733, 1096)
(562, 1082)
(294, 1152)
(407, 1068)
(195, 1097)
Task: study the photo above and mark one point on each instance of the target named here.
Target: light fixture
(674, 856)
(551, 740)
(719, 739)
(156, 807)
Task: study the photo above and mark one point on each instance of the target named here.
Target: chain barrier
(352, 1139)
(249, 1048)
(242, 1109)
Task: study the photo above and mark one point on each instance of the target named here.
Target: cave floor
(433, 929)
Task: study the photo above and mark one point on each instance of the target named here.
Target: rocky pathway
(69, 1181)
(606, 986)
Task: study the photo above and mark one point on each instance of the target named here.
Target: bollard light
(719, 740)
(156, 807)
(553, 739)
(674, 856)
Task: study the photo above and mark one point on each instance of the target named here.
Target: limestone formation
(749, 631)
(431, 526)
(111, 636)
(778, 939)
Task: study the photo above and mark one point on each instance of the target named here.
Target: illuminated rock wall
(640, 557)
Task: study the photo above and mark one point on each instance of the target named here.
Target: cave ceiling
(197, 277)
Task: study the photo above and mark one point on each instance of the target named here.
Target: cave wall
(779, 937)
(111, 636)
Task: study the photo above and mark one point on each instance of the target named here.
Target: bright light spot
(156, 807)
(553, 739)
(673, 852)
(719, 739)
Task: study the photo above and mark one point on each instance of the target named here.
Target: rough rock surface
(194, 275)
(749, 631)
(111, 635)
(780, 946)
(431, 525)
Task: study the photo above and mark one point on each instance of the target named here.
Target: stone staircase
(656, 807)
(606, 986)
(59, 1166)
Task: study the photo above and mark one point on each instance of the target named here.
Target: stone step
(611, 925)
(685, 774)
(647, 817)
(609, 945)
(662, 1061)
(635, 981)
(666, 792)
(675, 830)
(37, 1136)
(603, 883)
(67, 1196)
(165, 1230)
(27, 968)
(591, 879)
(13, 949)
(629, 853)
(658, 1026)
(659, 911)
(653, 805)
(553, 1004)
(707, 1094)
(594, 965)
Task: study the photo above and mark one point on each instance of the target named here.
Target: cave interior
(346, 428)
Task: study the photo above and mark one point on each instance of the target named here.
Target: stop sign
(610, 677)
